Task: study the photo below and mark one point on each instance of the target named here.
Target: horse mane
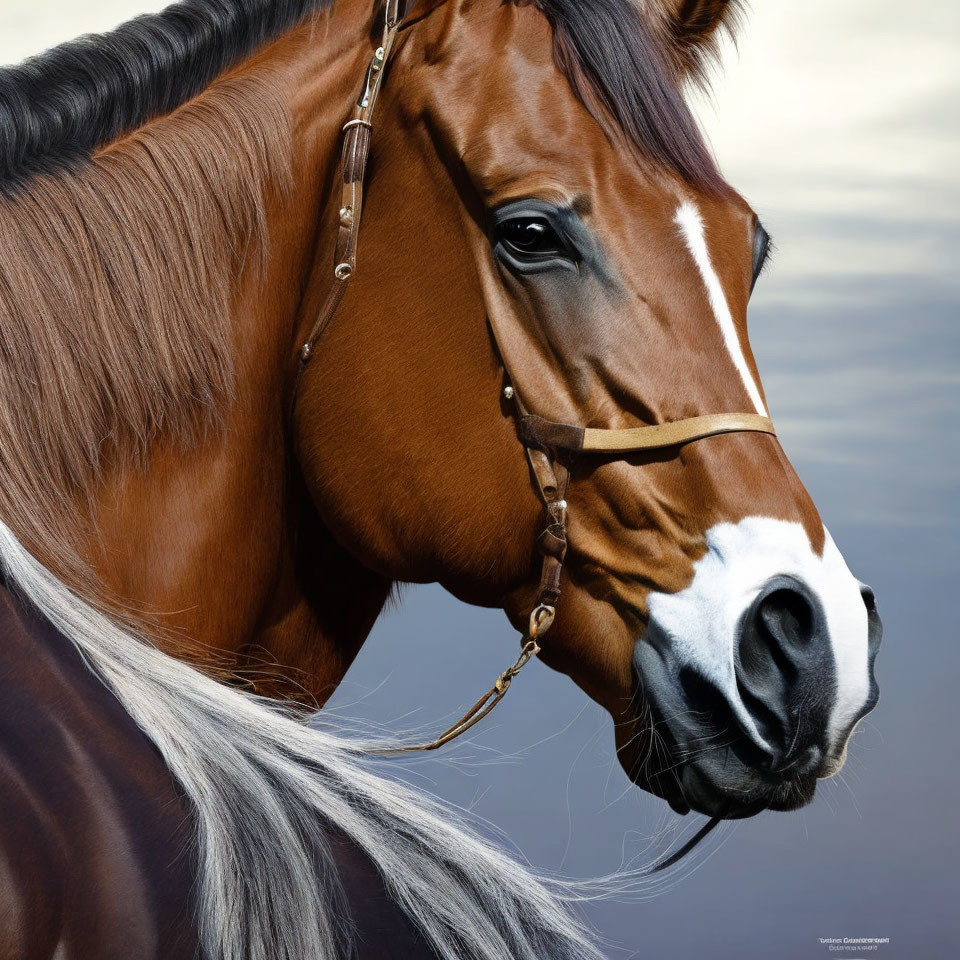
(58, 107)
(117, 282)
(128, 205)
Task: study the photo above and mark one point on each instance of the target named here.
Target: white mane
(263, 785)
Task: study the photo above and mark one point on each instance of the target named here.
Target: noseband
(549, 445)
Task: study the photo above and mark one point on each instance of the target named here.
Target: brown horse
(538, 201)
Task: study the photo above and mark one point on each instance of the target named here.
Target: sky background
(840, 123)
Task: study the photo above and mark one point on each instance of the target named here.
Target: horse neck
(217, 547)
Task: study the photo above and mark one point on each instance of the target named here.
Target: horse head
(547, 240)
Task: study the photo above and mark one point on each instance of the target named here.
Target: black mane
(57, 108)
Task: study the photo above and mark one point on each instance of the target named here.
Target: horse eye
(528, 236)
(762, 250)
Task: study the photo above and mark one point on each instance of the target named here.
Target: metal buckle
(541, 620)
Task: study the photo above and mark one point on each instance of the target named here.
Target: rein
(543, 440)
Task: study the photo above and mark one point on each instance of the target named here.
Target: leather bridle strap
(357, 134)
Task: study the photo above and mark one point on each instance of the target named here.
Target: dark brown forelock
(618, 66)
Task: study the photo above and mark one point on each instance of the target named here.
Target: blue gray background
(840, 123)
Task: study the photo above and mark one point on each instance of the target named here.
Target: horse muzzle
(753, 686)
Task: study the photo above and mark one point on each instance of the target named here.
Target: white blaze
(691, 226)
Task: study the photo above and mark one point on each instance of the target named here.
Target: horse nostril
(777, 628)
(869, 598)
(781, 649)
(787, 616)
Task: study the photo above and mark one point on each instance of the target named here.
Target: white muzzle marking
(701, 621)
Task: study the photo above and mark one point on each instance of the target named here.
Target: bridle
(549, 445)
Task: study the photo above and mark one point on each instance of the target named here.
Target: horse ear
(693, 27)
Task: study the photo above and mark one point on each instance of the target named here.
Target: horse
(226, 435)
